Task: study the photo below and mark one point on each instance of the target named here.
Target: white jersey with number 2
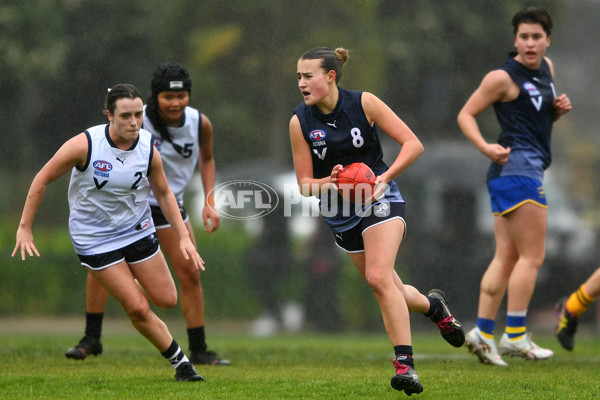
(108, 197)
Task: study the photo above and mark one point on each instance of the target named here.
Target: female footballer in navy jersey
(333, 127)
(184, 137)
(113, 168)
(523, 96)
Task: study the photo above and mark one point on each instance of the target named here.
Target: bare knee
(536, 261)
(377, 281)
(139, 312)
(492, 288)
(189, 278)
(494, 284)
(166, 300)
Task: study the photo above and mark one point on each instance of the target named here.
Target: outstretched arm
(72, 153)
(166, 200)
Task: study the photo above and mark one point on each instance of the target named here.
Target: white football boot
(484, 349)
(524, 348)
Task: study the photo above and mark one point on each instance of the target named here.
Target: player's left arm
(562, 103)
(168, 205)
(206, 164)
(379, 113)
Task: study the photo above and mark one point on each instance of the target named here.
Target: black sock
(197, 339)
(404, 355)
(93, 324)
(175, 355)
(435, 310)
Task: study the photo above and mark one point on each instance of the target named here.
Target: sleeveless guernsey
(181, 156)
(342, 137)
(108, 197)
(526, 122)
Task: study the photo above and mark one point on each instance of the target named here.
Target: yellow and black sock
(579, 301)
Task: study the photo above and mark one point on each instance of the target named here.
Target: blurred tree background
(424, 58)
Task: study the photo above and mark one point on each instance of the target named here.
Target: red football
(355, 182)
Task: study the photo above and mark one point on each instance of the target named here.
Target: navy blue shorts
(134, 253)
(351, 241)
(160, 222)
(507, 193)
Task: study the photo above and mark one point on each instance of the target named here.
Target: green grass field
(303, 366)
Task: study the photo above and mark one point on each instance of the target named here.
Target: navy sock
(404, 355)
(197, 339)
(93, 324)
(435, 310)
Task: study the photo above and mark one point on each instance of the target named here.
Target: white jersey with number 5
(108, 197)
(181, 155)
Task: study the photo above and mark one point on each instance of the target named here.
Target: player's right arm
(72, 153)
(206, 163)
(168, 205)
(495, 86)
(308, 185)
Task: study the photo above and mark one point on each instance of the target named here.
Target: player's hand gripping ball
(356, 182)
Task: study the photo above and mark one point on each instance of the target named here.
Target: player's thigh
(527, 226)
(506, 251)
(154, 276)
(169, 243)
(381, 244)
(359, 261)
(120, 283)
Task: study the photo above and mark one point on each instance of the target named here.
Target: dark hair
(533, 15)
(168, 77)
(120, 91)
(330, 60)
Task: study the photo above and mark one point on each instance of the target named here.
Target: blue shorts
(160, 221)
(351, 241)
(507, 193)
(134, 253)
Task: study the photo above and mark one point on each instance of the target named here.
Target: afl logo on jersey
(157, 142)
(103, 166)
(531, 89)
(534, 95)
(317, 135)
